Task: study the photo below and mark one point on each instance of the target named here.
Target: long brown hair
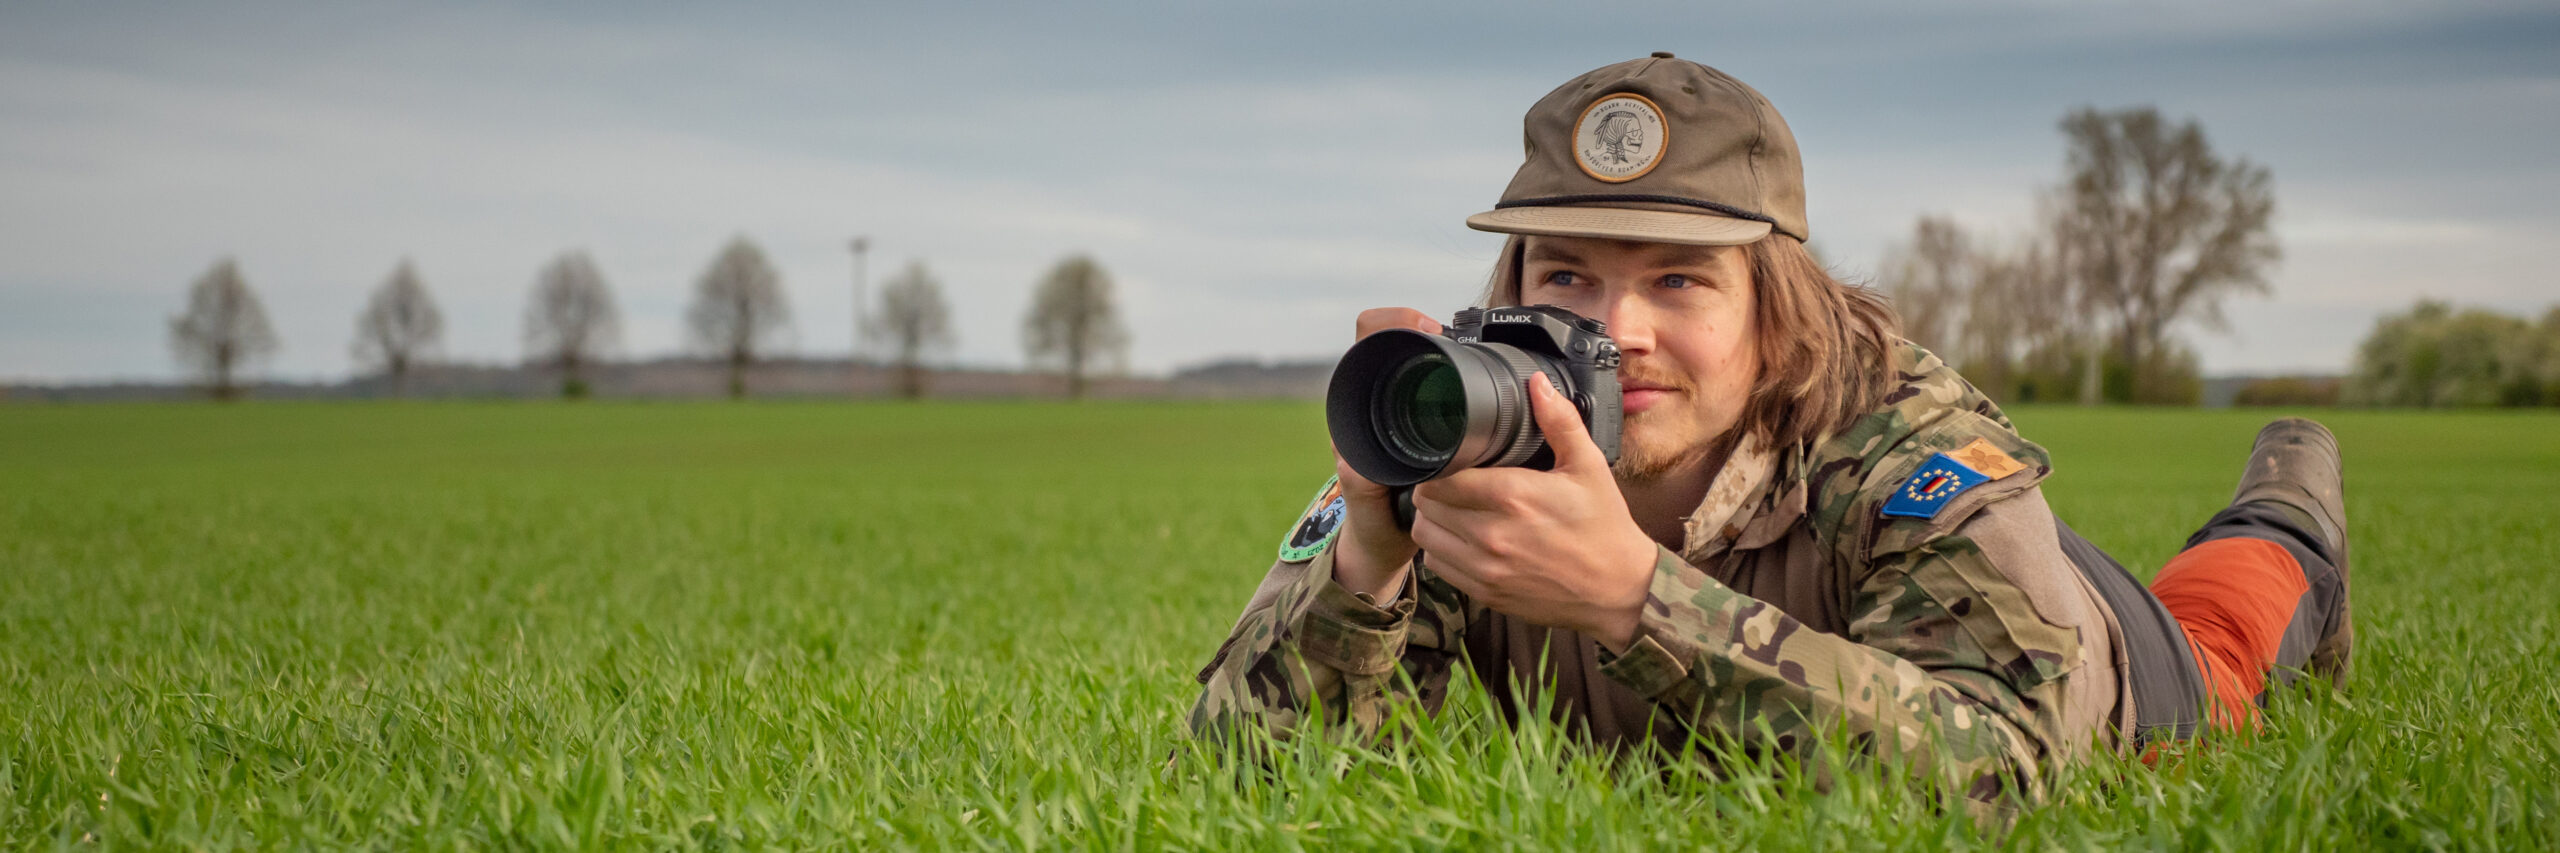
(1825, 345)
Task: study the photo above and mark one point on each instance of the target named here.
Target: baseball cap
(1660, 150)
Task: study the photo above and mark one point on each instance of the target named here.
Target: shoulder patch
(1981, 456)
(1939, 481)
(1316, 527)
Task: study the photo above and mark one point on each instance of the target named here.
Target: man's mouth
(1638, 396)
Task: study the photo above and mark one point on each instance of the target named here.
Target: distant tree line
(2149, 228)
(2433, 356)
(739, 315)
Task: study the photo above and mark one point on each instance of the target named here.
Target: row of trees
(2435, 356)
(739, 315)
(2148, 229)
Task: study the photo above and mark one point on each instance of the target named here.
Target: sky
(1251, 177)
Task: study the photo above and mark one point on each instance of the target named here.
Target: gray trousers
(2170, 694)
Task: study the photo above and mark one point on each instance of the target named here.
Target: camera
(1406, 407)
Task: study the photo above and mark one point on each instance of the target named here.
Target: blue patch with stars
(1939, 482)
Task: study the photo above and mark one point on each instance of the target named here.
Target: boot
(2295, 466)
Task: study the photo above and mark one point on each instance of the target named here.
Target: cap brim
(1621, 223)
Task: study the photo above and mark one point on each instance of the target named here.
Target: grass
(889, 626)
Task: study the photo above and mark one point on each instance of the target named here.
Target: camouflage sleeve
(1306, 643)
(1944, 666)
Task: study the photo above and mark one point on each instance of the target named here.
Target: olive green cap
(1658, 150)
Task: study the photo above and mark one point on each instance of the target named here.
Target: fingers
(1377, 320)
(1436, 539)
(1352, 482)
(1562, 424)
(1454, 558)
(1480, 506)
(1368, 502)
(1479, 488)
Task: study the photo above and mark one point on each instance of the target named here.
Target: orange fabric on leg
(2234, 598)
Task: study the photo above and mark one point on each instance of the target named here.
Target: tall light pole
(861, 314)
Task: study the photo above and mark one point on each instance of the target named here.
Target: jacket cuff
(1348, 630)
(1660, 658)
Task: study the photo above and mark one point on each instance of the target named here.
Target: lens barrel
(1406, 406)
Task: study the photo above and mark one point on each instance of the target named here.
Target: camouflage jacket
(1899, 581)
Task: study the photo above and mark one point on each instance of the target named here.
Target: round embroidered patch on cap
(1619, 138)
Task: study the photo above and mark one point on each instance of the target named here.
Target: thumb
(1562, 424)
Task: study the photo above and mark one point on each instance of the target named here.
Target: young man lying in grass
(1813, 526)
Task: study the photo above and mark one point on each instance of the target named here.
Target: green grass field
(878, 625)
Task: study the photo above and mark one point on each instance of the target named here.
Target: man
(1813, 526)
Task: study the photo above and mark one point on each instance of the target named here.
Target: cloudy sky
(1251, 178)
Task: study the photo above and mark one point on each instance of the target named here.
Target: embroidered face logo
(1614, 137)
(1619, 138)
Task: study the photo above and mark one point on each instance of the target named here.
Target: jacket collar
(1752, 501)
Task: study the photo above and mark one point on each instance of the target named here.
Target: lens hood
(1370, 407)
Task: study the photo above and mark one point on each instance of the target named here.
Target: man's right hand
(1372, 554)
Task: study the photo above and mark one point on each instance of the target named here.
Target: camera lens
(1423, 410)
(1405, 407)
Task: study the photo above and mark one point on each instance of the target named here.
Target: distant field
(878, 625)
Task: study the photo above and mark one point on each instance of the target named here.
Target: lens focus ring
(1514, 428)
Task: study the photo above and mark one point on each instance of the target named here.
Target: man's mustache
(1634, 374)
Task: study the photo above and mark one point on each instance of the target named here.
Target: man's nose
(1630, 324)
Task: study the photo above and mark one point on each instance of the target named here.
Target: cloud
(319, 196)
(2391, 232)
(1252, 178)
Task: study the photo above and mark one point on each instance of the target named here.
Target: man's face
(1682, 318)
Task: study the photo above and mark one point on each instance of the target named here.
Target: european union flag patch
(1939, 481)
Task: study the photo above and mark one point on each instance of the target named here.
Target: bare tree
(2154, 228)
(915, 321)
(223, 329)
(1075, 322)
(1930, 281)
(738, 309)
(571, 322)
(2017, 318)
(399, 326)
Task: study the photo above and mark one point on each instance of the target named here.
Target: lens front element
(1422, 411)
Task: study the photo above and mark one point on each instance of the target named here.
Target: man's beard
(1648, 462)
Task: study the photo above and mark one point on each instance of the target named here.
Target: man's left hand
(1556, 548)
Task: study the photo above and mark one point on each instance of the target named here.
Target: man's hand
(1371, 554)
(1555, 548)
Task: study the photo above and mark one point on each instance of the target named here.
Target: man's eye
(1675, 280)
(1561, 278)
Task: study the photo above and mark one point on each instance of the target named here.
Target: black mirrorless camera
(1406, 407)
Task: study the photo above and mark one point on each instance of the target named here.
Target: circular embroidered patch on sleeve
(1619, 138)
(1316, 527)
